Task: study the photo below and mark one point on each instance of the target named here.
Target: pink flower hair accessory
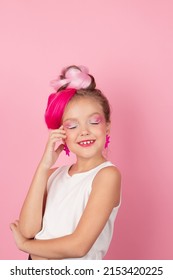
(77, 78)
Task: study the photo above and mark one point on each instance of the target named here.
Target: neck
(83, 165)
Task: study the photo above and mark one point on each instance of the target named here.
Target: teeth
(87, 142)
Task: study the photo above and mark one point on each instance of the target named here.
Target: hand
(51, 154)
(18, 237)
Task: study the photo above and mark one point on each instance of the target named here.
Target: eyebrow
(73, 119)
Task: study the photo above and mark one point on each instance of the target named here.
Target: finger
(57, 136)
(16, 222)
(59, 130)
(59, 149)
(12, 226)
(61, 127)
(56, 139)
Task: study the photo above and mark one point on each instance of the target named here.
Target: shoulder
(110, 173)
(108, 182)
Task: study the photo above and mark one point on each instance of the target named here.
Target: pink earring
(107, 141)
(66, 149)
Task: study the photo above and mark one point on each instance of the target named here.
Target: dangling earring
(107, 141)
(66, 149)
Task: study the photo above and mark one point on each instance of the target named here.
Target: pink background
(127, 45)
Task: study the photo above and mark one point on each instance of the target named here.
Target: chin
(88, 154)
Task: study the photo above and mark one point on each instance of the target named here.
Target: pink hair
(56, 105)
(72, 78)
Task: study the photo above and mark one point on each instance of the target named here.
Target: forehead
(82, 107)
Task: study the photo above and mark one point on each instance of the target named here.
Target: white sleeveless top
(66, 201)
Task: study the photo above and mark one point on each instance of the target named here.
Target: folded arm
(105, 195)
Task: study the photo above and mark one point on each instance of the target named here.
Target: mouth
(86, 143)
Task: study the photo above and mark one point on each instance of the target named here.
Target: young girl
(69, 212)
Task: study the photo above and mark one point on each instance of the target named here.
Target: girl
(69, 211)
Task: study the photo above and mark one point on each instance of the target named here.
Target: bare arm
(31, 213)
(105, 195)
(30, 219)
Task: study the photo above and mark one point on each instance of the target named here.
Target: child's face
(85, 127)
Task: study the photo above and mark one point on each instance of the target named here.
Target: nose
(84, 132)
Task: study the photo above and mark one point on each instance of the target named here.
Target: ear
(108, 127)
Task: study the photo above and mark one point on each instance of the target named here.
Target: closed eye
(95, 120)
(95, 123)
(71, 127)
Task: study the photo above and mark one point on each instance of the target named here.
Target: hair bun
(76, 77)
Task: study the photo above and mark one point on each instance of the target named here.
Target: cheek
(101, 129)
(101, 134)
(70, 135)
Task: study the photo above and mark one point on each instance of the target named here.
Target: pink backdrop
(127, 44)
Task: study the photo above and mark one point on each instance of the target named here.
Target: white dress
(66, 201)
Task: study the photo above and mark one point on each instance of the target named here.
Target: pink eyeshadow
(97, 119)
(69, 124)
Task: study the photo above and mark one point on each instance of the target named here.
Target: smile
(86, 143)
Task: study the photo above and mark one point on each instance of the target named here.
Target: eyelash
(72, 127)
(93, 123)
